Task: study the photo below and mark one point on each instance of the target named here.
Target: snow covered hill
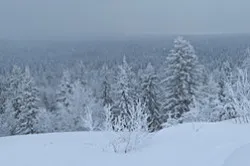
(199, 144)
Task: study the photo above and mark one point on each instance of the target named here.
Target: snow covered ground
(199, 144)
(239, 157)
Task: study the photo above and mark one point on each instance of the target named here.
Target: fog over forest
(88, 19)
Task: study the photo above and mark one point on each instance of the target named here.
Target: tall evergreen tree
(23, 102)
(79, 72)
(82, 107)
(4, 114)
(64, 106)
(28, 121)
(182, 79)
(210, 105)
(125, 96)
(15, 97)
(240, 94)
(246, 60)
(225, 80)
(3, 94)
(106, 87)
(65, 90)
(150, 92)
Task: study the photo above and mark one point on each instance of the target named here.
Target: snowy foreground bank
(218, 144)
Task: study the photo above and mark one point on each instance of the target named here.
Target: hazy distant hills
(212, 49)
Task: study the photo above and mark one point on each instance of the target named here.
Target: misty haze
(122, 82)
(81, 19)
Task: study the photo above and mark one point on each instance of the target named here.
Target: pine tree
(182, 79)
(28, 121)
(80, 72)
(3, 94)
(15, 97)
(106, 88)
(226, 73)
(125, 96)
(63, 113)
(4, 114)
(80, 99)
(65, 90)
(246, 60)
(150, 92)
(86, 110)
(240, 94)
(225, 80)
(22, 103)
(210, 106)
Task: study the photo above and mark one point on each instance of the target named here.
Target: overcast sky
(47, 19)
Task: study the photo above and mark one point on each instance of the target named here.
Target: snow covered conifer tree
(4, 115)
(240, 93)
(79, 72)
(150, 92)
(77, 101)
(27, 124)
(23, 102)
(15, 97)
(181, 79)
(225, 81)
(3, 94)
(65, 90)
(63, 103)
(210, 105)
(106, 88)
(226, 73)
(83, 111)
(125, 96)
(246, 60)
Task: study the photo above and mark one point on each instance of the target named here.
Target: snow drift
(197, 144)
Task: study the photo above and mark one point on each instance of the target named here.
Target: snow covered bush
(127, 134)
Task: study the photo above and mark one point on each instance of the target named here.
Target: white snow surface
(197, 144)
(240, 157)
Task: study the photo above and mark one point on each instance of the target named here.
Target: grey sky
(45, 19)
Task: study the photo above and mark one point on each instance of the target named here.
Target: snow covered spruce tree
(106, 87)
(150, 96)
(4, 115)
(29, 119)
(225, 80)
(246, 61)
(85, 109)
(210, 103)
(63, 112)
(181, 80)
(65, 90)
(77, 106)
(240, 95)
(3, 94)
(14, 101)
(124, 93)
(22, 104)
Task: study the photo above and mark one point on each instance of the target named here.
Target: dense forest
(133, 84)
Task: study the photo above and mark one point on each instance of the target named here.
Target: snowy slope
(239, 157)
(184, 145)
